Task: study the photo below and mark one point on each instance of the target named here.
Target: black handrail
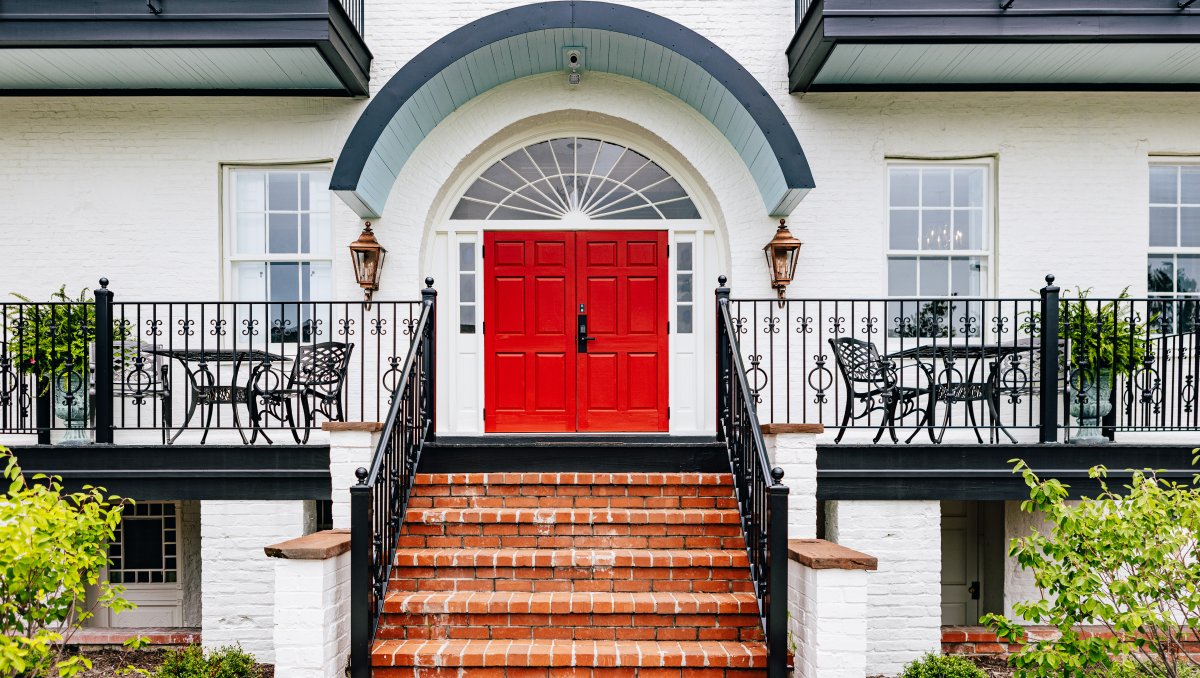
(379, 500)
(762, 496)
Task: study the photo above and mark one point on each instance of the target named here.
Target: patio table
(953, 383)
(205, 389)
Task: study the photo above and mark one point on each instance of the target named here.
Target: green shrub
(53, 546)
(1132, 669)
(191, 662)
(942, 666)
(1125, 560)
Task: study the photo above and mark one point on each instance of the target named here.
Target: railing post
(1049, 359)
(429, 353)
(43, 408)
(360, 577)
(723, 358)
(103, 403)
(777, 586)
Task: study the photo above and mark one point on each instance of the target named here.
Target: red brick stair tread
(567, 557)
(573, 479)
(572, 602)
(568, 653)
(589, 516)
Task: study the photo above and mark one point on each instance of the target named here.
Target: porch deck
(955, 371)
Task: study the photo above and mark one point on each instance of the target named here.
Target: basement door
(575, 331)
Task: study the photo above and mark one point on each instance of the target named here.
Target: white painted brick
(796, 454)
(348, 451)
(238, 580)
(312, 617)
(904, 594)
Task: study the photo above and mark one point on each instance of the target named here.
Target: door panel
(961, 576)
(537, 377)
(622, 289)
(529, 332)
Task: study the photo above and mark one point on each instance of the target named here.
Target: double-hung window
(279, 242)
(939, 236)
(1173, 267)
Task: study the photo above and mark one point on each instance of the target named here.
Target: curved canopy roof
(531, 40)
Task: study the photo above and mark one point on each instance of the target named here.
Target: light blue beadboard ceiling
(1012, 63)
(167, 68)
(363, 179)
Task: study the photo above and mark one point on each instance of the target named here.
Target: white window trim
(988, 281)
(228, 195)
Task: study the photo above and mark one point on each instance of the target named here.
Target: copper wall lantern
(367, 255)
(782, 254)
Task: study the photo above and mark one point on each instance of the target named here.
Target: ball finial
(361, 473)
(721, 280)
(429, 283)
(104, 283)
(777, 475)
(1049, 278)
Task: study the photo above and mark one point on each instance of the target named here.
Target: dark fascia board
(209, 23)
(164, 472)
(833, 22)
(983, 472)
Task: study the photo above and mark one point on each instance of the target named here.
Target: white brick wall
(312, 617)
(904, 594)
(828, 621)
(796, 454)
(348, 450)
(238, 578)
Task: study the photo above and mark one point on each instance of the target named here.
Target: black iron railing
(1130, 365)
(356, 12)
(379, 500)
(198, 371)
(762, 496)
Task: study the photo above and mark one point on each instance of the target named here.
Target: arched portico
(533, 39)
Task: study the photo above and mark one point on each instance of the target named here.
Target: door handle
(582, 339)
(973, 589)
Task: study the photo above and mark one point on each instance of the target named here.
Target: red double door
(575, 331)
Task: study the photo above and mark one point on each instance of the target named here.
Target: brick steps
(570, 574)
(565, 654)
(572, 615)
(569, 558)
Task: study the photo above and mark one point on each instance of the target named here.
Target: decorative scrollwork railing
(762, 496)
(379, 500)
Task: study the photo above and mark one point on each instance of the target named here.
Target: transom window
(1173, 268)
(575, 175)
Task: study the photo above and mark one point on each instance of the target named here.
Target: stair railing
(379, 500)
(762, 496)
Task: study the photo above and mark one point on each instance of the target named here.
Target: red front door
(542, 373)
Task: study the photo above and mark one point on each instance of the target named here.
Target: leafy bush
(191, 662)
(53, 546)
(942, 666)
(1125, 561)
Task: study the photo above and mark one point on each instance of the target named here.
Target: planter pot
(1091, 401)
(71, 405)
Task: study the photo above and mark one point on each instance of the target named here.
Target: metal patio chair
(316, 380)
(139, 374)
(871, 381)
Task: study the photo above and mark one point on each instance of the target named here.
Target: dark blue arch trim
(584, 15)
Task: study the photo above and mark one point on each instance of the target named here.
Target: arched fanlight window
(598, 179)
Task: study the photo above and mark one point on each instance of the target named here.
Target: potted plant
(52, 341)
(1103, 340)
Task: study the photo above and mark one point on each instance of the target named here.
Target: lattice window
(572, 175)
(145, 549)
